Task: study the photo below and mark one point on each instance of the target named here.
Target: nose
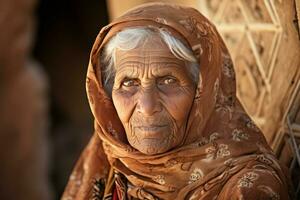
(148, 102)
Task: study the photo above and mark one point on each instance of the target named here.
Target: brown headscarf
(223, 155)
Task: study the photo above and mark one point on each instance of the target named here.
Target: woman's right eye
(130, 83)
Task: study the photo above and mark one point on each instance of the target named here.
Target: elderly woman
(168, 125)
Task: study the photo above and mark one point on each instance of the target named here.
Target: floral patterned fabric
(223, 154)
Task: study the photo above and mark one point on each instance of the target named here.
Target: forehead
(145, 57)
(141, 62)
(151, 52)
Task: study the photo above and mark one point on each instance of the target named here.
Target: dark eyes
(167, 81)
(161, 81)
(130, 82)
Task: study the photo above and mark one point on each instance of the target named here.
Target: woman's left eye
(168, 81)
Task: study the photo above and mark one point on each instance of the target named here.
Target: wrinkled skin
(153, 94)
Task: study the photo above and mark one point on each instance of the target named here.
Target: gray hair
(129, 39)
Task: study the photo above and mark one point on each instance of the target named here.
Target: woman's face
(153, 94)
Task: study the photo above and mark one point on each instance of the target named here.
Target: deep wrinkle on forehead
(134, 62)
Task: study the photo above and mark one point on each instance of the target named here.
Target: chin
(153, 146)
(151, 151)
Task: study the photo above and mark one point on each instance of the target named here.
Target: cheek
(179, 104)
(124, 105)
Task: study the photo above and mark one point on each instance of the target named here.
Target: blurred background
(45, 119)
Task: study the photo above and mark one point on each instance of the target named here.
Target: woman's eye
(168, 81)
(130, 83)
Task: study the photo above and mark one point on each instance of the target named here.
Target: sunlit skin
(153, 93)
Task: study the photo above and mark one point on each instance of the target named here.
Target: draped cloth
(223, 154)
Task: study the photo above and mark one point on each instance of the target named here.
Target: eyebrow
(168, 69)
(126, 72)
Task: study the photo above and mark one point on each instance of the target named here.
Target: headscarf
(223, 154)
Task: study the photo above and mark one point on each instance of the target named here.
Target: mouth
(151, 127)
(152, 131)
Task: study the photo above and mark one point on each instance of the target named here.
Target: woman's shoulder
(261, 183)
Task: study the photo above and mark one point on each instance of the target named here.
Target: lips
(153, 131)
(151, 128)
